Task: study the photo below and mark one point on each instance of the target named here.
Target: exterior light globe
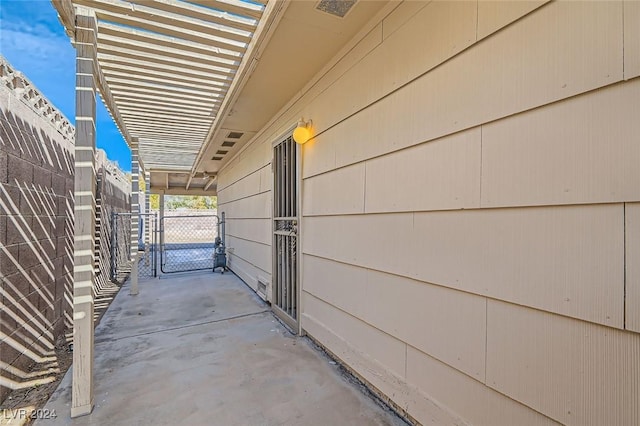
(301, 134)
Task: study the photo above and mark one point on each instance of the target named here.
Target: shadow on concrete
(204, 349)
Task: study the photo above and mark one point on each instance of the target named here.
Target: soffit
(305, 40)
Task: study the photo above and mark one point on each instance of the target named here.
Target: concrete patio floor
(205, 350)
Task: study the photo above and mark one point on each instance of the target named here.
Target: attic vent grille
(235, 135)
(337, 8)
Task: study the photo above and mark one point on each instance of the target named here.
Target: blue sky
(33, 41)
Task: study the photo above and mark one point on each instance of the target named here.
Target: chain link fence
(121, 260)
(187, 241)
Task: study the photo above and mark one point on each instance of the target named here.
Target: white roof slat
(128, 54)
(171, 30)
(236, 7)
(171, 94)
(157, 20)
(111, 59)
(153, 104)
(171, 141)
(166, 130)
(136, 98)
(167, 86)
(203, 13)
(159, 117)
(160, 40)
(166, 146)
(119, 46)
(114, 69)
(169, 111)
(146, 79)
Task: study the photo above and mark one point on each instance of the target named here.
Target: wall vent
(221, 152)
(261, 288)
(216, 158)
(338, 8)
(228, 143)
(235, 135)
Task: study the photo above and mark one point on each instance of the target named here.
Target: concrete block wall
(36, 238)
(112, 196)
(36, 230)
(470, 211)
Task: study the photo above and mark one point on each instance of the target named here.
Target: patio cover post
(135, 215)
(84, 211)
(147, 207)
(161, 229)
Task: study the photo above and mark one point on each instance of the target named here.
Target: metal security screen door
(285, 231)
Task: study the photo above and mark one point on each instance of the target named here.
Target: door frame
(293, 324)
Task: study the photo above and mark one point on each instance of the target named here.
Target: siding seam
(624, 76)
(464, 209)
(486, 336)
(481, 148)
(624, 263)
(477, 18)
(364, 192)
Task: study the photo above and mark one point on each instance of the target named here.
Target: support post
(161, 228)
(135, 215)
(84, 211)
(147, 207)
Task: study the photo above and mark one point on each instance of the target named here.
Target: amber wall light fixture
(302, 132)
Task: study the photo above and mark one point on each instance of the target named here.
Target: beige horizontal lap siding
(632, 252)
(244, 195)
(471, 224)
(631, 39)
(567, 260)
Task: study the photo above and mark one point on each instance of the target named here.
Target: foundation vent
(262, 287)
(338, 8)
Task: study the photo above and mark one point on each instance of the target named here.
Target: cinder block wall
(36, 230)
(36, 233)
(471, 215)
(112, 196)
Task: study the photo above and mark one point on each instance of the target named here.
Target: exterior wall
(244, 194)
(36, 232)
(471, 216)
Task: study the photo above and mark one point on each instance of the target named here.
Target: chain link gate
(187, 242)
(121, 246)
